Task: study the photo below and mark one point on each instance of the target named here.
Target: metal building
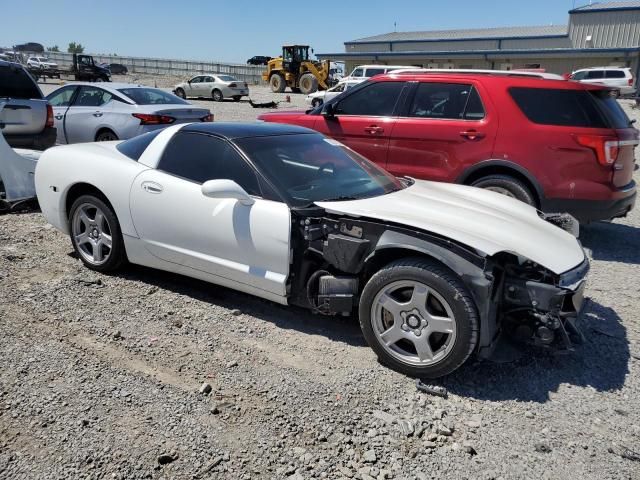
(600, 34)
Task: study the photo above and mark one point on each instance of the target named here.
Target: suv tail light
(207, 118)
(631, 81)
(606, 148)
(151, 119)
(49, 122)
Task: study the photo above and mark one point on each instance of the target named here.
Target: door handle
(59, 117)
(374, 129)
(97, 114)
(151, 187)
(472, 134)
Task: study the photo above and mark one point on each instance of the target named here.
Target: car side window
(198, 157)
(357, 72)
(377, 100)
(594, 74)
(209, 79)
(579, 76)
(614, 74)
(92, 97)
(196, 79)
(62, 98)
(445, 100)
(372, 72)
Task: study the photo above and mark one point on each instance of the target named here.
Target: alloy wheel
(92, 233)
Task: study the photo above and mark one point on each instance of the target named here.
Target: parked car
(86, 112)
(27, 117)
(616, 77)
(258, 60)
(118, 69)
(41, 63)
(436, 271)
(316, 99)
(364, 72)
(217, 87)
(559, 146)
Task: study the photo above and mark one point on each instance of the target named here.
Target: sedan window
(196, 80)
(377, 100)
(199, 158)
(62, 97)
(227, 78)
(151, 96)
(92, 97)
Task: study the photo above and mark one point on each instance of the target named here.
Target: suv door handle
(97, 114)
(374, 129)
(472, 134)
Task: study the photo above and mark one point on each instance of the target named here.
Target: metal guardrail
(162, 66)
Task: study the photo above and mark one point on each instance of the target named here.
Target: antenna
(395, 26)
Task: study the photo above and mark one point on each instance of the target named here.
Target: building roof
(468, 34)
(604, 6)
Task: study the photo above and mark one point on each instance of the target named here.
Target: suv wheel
(506, 185)
(419, 318)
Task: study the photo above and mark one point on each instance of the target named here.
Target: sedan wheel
(217, 96)
(180, 93)
(106, 136)
(419, 318)
(95, 234)
(316, 102)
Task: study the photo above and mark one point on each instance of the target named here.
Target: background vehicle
(259, 60)
(560, 146)
(615, 77)
(215, 86)
(365, 72)
(318, 98)
(27, 117)
(294, 70)
(435, 271)
(41, 63)
(85, 112)
(83, 68)
(118, 69)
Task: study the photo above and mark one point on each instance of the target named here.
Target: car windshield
(227, 78)
(310, 168)
(152, 96)
(42, 59)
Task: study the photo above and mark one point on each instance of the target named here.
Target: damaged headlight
(565, 221)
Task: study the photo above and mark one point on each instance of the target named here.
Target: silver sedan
(86, 112)
(217, 87)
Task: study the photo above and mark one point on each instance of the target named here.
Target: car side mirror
(226, 189)
(328, 110)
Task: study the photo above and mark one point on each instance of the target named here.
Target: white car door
(207, 86)
(246, 245)
(84, 116)
(192, 86)
(60, 100)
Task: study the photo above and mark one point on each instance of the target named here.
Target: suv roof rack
(470, 71)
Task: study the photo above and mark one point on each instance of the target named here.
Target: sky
(234, 30)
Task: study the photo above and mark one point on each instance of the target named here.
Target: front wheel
(217, 95)
(316, 102)
(95, 234)
(180, 93)
(419, 318)
(277, 83)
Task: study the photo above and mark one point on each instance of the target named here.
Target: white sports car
(436, 271)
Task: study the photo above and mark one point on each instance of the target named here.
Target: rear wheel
(316, 102)
(180, 93)
(217, 95)
(106, 136)
(277, 83)
(95, 234)
(308, 83)
(507, 185)
(419, 318)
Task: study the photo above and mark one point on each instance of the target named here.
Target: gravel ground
(146, 374)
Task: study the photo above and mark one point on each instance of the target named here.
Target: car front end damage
(336, 255)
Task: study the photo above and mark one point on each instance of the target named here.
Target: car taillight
(605, 148)
(207, 118)
(49, 116)
(233, 85)
(631, 82)
(151, 119)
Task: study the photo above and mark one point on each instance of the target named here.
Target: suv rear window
(614, 74)
(15, 82)
(570, 108)
(135, 147)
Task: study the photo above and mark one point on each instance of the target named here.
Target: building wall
(609, 29)
(531, 43)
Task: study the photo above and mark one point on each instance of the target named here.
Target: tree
(75, 47)
(55, 48)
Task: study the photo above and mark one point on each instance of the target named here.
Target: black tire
(316, 102)
(507, 185)
(117, 256)
(448, 285)
(295, 89)
(180, 93)
(236, 98)
(308, 83)
(277, 83)
(217, 95)
(106, 135)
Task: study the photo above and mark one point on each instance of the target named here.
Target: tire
(308, 83)
(316, 102)
(106, 136)
(277, 83)
(180, 93)
(508, 186)
(236, 98)
(89, 234)
(295, 89)
(217, 95)
(438, 293)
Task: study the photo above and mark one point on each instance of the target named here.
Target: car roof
(234, 130)
(601, 68)
(108, 85)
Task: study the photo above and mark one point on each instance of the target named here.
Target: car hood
(481, 219)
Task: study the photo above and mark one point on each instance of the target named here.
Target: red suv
(561, 146)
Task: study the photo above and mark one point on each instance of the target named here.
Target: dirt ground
(101, 377)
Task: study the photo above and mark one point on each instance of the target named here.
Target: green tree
(75, 47)
(55, 48)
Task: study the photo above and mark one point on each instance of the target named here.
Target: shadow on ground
(599, 237)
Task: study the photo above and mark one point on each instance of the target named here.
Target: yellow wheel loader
(294, 70)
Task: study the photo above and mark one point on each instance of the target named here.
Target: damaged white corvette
(436, 271)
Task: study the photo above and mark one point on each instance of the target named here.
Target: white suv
(364, 72)
(616, 77)
(41, 62)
